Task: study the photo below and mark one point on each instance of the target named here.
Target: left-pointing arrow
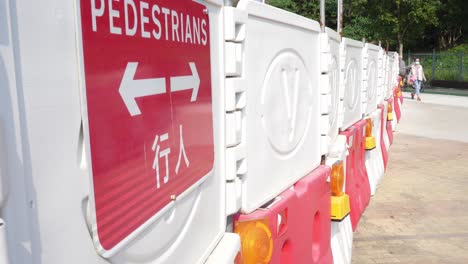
(130, 88)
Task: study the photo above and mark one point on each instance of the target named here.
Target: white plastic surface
(3, 167)
(235, 102)
(381, 76)
(374, 159)
(283, 105)
(386, 139)
(40, 111)
(352, 81)
(4, 258)
(395, 67)
(342, 241)
(338, 151)
(384, 88)
(226, 250)
(372, 77)
(390, 76)
(336, 85)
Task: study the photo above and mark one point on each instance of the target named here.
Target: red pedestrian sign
(147, 110)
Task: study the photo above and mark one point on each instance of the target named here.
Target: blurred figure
(417, 77)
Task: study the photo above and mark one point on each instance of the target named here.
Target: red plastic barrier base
(390, 131)
(299, 220)
(389, 124)
(397, 109)
(357, 181)
(383, 129)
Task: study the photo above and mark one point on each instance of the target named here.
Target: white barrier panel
(394, 84)
(336, 85)
(372, 73)
(374, 159)
(341, 232)
(282, 115)
(342, 241)
(352, 81)
(396, 67)
(385, 76)
(381, 76)
(390, 77)
(41, 112)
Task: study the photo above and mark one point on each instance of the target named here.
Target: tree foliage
(416, 24)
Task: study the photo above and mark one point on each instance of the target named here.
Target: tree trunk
(400, 43)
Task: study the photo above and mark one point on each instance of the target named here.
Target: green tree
(394, 22)
(453, 23)
(309, 9)
(403, 20)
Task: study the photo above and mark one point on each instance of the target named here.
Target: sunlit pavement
(420, 211)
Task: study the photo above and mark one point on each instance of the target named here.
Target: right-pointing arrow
(130, 88)
(187, 82)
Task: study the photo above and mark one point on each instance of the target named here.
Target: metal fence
(445, 66)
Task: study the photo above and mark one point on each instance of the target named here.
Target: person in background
(417, 77)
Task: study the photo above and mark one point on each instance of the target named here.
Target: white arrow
(187, 82)
(130, 88)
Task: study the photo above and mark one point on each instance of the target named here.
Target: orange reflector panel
(368, 127)
(256, 241)
(337, 179)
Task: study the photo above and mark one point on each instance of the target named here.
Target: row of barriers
(186, 132)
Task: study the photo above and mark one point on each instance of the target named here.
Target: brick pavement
(420, 211)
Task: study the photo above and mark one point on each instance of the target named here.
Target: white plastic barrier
(353, 107)
(271, 122)
(341, 232)
(336, 84)
(372, 73)
(342, 241)
(374, 159)
(390, 79)
(388, 88)
(281, 133)
(394, 84)
(381, 77)
(385, 77)
(48, 207)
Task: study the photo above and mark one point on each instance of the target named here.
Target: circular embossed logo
(351, 85)
(286, 102)
(372, 80)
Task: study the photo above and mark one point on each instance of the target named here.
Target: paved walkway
(420, 211)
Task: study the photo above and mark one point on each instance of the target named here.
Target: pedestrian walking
(417, 77)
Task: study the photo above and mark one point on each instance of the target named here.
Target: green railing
(445, 66)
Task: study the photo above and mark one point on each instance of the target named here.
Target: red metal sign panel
(148, 110)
